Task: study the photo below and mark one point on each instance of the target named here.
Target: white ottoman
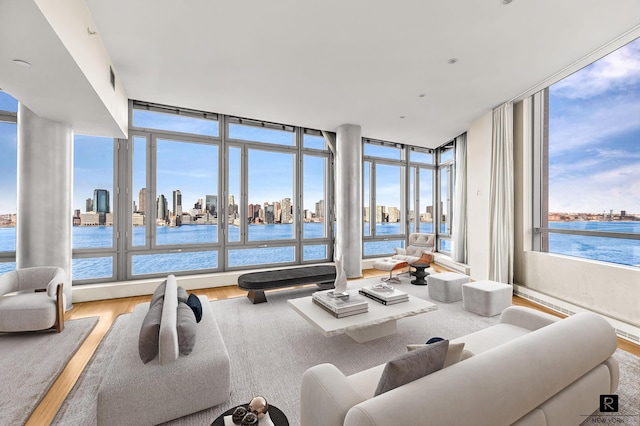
(487, 298)
(446, 286)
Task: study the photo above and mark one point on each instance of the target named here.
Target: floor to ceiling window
(589, 161)
(421, 177)
(94, 249)
(8, 183)
(384, 215)
(446, 173)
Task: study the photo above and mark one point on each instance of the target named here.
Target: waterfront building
(101, 201)
(162, 208)
(89, 205)
(211, 205)
(142, 200)
(177, 202)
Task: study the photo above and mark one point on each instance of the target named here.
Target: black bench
(257, 282)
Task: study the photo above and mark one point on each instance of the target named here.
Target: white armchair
(32, 299)
(419, 250)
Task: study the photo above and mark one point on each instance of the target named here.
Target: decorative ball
(238, 414)
(250, 419)
(259, 406)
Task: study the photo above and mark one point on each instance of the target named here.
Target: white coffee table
(378, 322)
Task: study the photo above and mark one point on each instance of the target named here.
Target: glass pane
(174, 262)
(261, 256)
(445, 246)
(444, 200)
(92, 192)
(261, 134)
(425, 198)
(375, 150)
(314, 252)
(8, 102)
(313, 191)
(421, 157)
(412, 196)
(388, 199)
(313, 142)
(8, 186)
(95, 267)
(186, 175)
(446, 155)
(373, 248)
(7, 267)
(234, 178)
(139, 195)
(366, 198)
(270, 209)
(175, 123)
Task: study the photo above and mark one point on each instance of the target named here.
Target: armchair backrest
(422, 240)
(32, 278)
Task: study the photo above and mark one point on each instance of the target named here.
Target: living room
(425, 122)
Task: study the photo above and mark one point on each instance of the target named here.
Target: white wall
(478, 183)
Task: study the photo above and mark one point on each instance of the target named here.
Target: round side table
(420, 273)
(277, 416)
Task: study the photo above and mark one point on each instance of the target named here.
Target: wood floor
(108, 311)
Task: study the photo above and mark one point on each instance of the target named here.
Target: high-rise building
(89, 205)
(212, 205)
(101, 201)
(269, 213)
(162, 207)
(320, 208)
(286, 215)
(142, 200)
(394, 214)
(177, 202)
(380, 215)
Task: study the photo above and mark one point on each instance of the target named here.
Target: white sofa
(530, 369)
(171, 385)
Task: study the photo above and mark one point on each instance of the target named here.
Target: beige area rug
(271, 346)
(31, 362)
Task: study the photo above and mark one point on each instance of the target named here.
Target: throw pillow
(412, 366)
(158, 292)
(194, 303)
(186, 325)
(400, 251)
(182, 295)
(149, 332)
(454, 353)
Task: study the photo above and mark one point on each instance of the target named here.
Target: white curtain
(459, 243)
(501, 196)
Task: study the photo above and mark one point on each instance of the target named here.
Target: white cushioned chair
(32, 299)
(420, 250)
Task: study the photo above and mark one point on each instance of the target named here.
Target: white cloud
(602, 190)
(616, 71)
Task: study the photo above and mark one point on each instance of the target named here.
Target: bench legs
(256, 296)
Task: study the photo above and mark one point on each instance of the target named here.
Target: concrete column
(45, 175)
(348, 190)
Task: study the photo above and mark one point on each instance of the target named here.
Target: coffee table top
(377, 314)
(277, 416)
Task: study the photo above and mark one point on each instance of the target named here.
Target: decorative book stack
(388, 296)
(340, 307)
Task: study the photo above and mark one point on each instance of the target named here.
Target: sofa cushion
(186, 326)
(149, 332)
(454, 353)
(193, 302)
(168, 348)
(182, 295)
(158, 293)
(412, 365)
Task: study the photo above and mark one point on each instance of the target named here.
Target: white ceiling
(321, 64)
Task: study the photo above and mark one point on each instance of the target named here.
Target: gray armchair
(32, 299)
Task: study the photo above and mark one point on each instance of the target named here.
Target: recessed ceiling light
(452, 61)
(422, 95)
(402, 116)
(21, 63)
(506, 1)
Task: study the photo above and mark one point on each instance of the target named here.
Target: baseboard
(623, 330)
(446, 261)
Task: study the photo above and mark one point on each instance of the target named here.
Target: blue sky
(594, 136)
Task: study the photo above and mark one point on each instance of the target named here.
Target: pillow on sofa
(149, 332)
(194, 303)
(454, 353)
(182, 295)
(158, 292)
(412, 365)
(186, 326)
